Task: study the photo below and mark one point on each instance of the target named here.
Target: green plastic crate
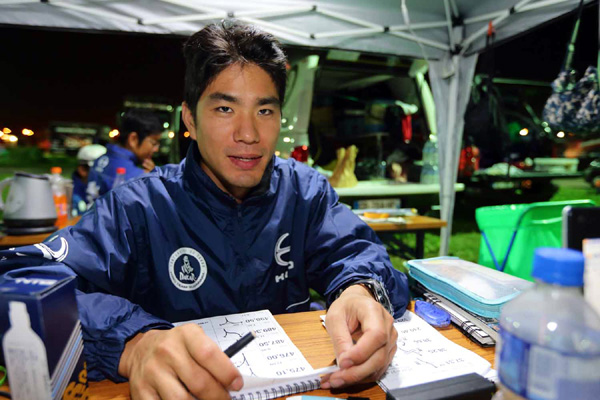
(511, 233)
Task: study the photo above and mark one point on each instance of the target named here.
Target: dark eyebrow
(269, 100)
(223, 96)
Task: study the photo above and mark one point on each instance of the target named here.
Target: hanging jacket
(103, 172)
(171, 246)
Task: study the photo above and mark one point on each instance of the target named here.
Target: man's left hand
(148, 165)
(356, 313)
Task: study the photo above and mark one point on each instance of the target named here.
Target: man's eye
(265, 111)
(224, 109)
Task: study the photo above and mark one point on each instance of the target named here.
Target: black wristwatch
(377, 291)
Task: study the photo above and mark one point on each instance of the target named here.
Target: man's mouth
(246, 162)
(247, 159)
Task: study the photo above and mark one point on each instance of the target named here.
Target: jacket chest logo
(187, 269)
(280, 251)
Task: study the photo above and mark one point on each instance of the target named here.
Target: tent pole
(348, 33)
(184, 18)
(346, 18)
(193, 6)
(297, 36)
(482, 31)
(449, 22)
(419, 25)
(454, 8)
(223, 14)
(9, 2)
(528, 7)
(417, 39)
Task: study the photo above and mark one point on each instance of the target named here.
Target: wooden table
(24, 240)
(310, 337)
(417, 224)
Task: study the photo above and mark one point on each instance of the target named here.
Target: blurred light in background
(113, 133)
(166, 125)
(186, 134)
(6, 130)
(524, 132)
(27, 132)
(560, 134)
(171, 134)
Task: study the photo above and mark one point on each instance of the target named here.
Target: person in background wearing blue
(230, 229)
(85, 160)
(138, 140)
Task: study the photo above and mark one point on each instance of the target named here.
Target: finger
(362, 372)
(202, 384)
(169, 386)
(376, 333)
(340, 334)
(210, 357)
(144, 393)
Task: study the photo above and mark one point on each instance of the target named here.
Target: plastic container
(549, 345)
(120, 178)
(59, 192)
(430, 172)
(25, 356)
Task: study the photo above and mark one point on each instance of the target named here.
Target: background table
(417, 224)
(24, 240)
(310, 337)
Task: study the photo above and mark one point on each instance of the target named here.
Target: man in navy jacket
(138, 140)
(230, 229)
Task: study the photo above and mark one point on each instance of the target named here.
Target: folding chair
(511, 233)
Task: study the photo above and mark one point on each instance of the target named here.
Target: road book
(271, 365)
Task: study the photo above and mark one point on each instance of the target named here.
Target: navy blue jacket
(171, 246)
(103, 172)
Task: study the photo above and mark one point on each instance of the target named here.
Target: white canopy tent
(448, 33)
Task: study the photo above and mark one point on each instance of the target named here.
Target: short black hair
(217, 46)
(142, 121)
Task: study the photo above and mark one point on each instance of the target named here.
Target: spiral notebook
(271, 365)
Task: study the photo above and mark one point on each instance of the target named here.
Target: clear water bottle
(550, 337)
(430, 172)
(59, 193)
(120, 178)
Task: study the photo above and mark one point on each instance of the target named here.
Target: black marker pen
(240, 344)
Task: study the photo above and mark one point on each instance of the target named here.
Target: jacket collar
(198, 182)
(121, 152)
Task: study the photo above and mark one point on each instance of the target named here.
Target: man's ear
(133, 141)
(188, 120)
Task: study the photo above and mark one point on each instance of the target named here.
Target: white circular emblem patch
(187, 269)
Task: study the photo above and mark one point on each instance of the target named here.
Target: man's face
(147, 147)
(237, 123)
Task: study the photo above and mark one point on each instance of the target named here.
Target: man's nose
(246, 129)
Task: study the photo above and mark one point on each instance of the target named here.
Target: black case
(464, 387)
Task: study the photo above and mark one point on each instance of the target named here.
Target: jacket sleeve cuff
(105, 338)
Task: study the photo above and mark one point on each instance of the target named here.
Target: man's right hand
(177, 364)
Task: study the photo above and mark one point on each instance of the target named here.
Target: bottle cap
(560, 266)
(56, 170)
(121, 170)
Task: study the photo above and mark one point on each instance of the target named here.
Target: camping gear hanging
(574, 105)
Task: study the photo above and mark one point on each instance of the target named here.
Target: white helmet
(88, 154)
